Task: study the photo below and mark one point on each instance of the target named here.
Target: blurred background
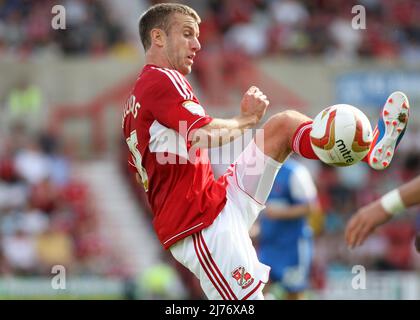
(67, 197)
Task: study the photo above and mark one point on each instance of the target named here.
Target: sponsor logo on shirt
(194, 108)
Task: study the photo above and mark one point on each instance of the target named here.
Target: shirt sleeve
(175, 105)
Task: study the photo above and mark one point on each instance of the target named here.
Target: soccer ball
(341, 135)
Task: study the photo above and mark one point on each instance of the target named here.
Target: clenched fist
(254, 103)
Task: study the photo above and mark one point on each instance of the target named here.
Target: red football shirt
(158, 117)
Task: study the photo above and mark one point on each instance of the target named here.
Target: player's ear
(158, 37)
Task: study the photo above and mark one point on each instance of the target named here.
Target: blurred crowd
(25, 27)
(256, 27)
(320, 27)
(47, 217)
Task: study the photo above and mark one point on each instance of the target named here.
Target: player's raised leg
(389, 131)
(286, 132)
(290, 131)
(257, 166)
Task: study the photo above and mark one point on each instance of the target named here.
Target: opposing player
(367, 218)
(285, 241)
(204, 222)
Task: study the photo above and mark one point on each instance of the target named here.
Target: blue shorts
(290, 264)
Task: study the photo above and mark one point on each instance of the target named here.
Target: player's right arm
(221, 131)
(292, 212)
(367, 218)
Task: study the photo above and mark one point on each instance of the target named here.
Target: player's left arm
(221, 131)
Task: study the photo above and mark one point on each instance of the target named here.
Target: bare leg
(278, 132)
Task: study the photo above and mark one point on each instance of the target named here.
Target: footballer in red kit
(204, 222)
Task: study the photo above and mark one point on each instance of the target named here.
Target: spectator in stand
(45, 218)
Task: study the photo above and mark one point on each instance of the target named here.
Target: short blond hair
(158, 16)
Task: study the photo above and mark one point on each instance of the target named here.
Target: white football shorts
(222, 255)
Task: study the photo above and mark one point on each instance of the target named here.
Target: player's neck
(157, 60)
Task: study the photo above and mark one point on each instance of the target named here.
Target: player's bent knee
(278, 133)
(284, 124)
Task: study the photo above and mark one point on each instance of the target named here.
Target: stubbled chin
(185, 70)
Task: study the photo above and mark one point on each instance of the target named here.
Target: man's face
(182, 42)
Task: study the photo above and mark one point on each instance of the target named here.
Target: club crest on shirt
(194, 108)
(243, 277)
